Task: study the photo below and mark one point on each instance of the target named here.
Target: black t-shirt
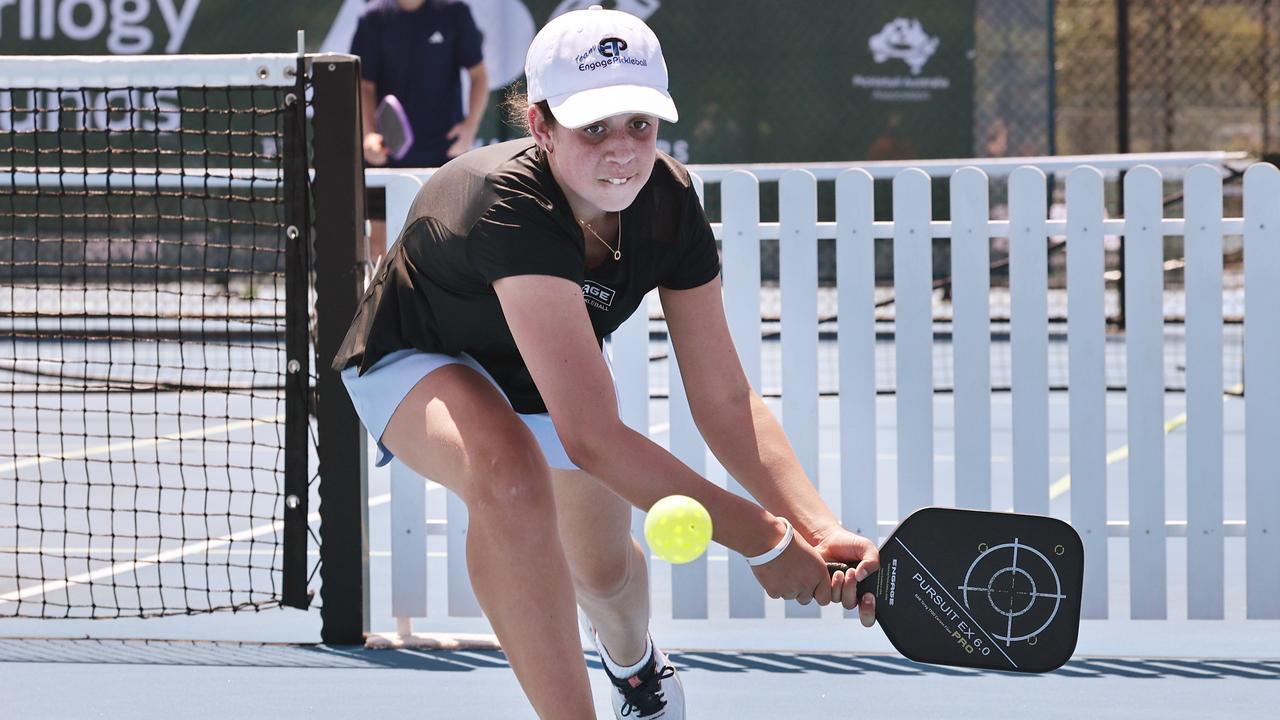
(497, 212)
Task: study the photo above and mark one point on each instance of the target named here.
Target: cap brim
(587, 106)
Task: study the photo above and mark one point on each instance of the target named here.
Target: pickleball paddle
(980, 589)
(393, 123)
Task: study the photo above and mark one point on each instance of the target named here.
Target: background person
(416, 50)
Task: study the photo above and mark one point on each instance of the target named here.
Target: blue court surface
(162, 680)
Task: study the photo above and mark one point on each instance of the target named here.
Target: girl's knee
(508, 475)
(604, 575)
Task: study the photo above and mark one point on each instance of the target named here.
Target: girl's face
(602, 166)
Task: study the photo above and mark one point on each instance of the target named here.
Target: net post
(339, 274)
(297, 238)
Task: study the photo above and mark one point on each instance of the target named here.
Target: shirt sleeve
(516, 237)
(470, 39)
(697, 259)
(365, 46)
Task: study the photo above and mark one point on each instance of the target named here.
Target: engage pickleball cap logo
(595, 63)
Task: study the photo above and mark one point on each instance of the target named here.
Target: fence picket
(798, 279)
(462, 598)
(1029, 339)
(971, 324)
(1086, 334)
(629, 357)
(913, 336)
(1262, 388)
(408, 490)
(740, 210)
(688, 580)
(1144, 370)
(408, 542)
(1203, 273)
(855, 281)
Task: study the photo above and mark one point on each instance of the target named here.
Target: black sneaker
(654, 693)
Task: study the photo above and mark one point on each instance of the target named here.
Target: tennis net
(154, 356)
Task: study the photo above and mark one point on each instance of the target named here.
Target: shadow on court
(233, 654)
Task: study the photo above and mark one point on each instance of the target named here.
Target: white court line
(123, 567)
(154, 559)
(168, 555)
(1063, 484)
(134, 444)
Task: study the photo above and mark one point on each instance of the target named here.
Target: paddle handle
(868, 583)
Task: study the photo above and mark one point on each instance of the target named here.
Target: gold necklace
(617, 252)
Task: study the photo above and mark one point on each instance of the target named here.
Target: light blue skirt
(378, 393)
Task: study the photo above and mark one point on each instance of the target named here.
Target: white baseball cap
(595, 63)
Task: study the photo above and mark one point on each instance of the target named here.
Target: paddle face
(393, 124)
(981, 589)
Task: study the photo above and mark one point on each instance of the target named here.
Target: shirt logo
(612, 46)
(436, 38)
(597, 295)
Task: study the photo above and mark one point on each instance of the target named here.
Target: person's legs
(607, 564)
(612, 585)
(377, 242)
(375, 206)
(457, 429)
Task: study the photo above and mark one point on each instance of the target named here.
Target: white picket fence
(1027, 229)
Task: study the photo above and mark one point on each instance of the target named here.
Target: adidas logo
(436, 38)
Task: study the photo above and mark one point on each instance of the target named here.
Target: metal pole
(1122, 123)
(294, 572)
(1169, 72)
(1265, 82)
(339, 225)
(1053, 80)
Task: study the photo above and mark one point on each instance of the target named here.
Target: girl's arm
(550, 325)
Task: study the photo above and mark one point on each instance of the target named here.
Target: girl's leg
(607, 564)
(455, 428)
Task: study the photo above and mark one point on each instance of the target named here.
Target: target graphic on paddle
(1014, 590)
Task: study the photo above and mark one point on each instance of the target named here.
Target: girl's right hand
(799, 574)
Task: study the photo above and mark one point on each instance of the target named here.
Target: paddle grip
(867, 585)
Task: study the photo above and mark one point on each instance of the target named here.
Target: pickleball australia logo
(903, 39)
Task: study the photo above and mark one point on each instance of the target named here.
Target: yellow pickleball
(678, 529)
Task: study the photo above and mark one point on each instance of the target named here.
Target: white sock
(624, 672)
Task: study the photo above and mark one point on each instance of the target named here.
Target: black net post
(294, 571)
(339, 276)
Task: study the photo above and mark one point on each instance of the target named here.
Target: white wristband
(777, 549)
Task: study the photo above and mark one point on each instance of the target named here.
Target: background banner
(755, 80)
